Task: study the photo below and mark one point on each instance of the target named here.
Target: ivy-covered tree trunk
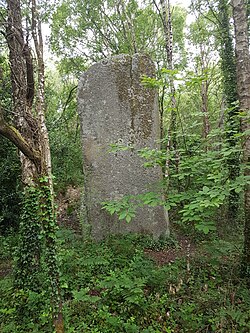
(228, 66)
(243, 85)
(29, 134)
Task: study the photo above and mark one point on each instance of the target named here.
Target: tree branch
(159, 11)
(15, 137)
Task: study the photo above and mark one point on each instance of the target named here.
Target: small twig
(68, 99)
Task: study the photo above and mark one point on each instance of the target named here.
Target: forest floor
(134, 284)
(185, 248)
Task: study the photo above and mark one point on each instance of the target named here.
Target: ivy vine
(37, 271)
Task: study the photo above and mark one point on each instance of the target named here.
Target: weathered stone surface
(114, 107)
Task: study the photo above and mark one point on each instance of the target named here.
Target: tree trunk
(243, 85)
(31, 137)
(166, 18)
(22, 92)
(204, 109)
(228, 67)
(204, 94)
(168, 36)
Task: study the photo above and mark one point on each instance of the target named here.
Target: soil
(185, 249)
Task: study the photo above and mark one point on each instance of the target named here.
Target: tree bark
(31, 137)
(204, 109)
(232, 124)
(22, 89)
(204, 94)
(168, 36)
(11, 133)
(243, 86)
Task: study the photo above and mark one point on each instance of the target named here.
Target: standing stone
(114, 107)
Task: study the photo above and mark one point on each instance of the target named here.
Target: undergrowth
(114, 287)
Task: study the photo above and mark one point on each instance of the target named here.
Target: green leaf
(128, 218)
(123, 215)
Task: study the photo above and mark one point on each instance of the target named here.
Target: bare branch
(69, 98)
(159, 11)
(213, 12)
